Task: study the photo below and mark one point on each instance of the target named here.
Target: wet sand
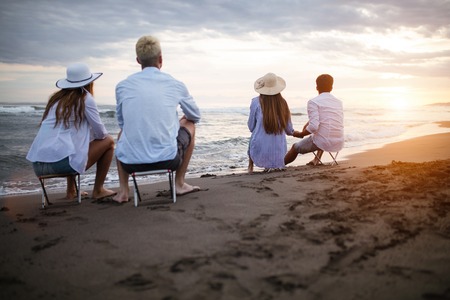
(377, 226)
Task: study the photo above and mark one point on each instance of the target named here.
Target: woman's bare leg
(71, 190)
(250, 165)
(101, 152)
(290, 156)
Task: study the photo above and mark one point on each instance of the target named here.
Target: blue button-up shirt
(146, 111)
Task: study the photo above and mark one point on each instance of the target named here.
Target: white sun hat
(78, 75)
(269, 84)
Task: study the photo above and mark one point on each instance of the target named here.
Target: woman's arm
(251, 123)
(289, 128)
(93, 117)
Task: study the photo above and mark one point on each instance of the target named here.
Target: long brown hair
(68, 101)
(276, 113)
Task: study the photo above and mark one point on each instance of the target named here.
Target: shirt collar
(151, 69)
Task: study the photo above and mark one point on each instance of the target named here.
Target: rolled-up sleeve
(190, 109)
(289, 128)
(188, 105)
(119, 114)
(98, 130)
(313, 116)
(251, 123)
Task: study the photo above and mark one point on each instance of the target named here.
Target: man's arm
(188, 105)
(303, 133)
(313, 117)
(191, 111)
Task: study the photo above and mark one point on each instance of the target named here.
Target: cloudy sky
(380, 52)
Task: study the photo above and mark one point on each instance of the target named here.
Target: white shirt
(326, 122)
(53, 144)
(146, 111)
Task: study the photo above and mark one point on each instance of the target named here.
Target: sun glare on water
(399, 104)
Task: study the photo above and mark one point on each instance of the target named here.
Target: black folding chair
(77, 180)
(171, 174)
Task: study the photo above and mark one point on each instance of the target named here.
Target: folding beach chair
(319, 153)
(44, 192)
(137, 195)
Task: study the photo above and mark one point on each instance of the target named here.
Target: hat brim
(65, 84)
(265, 90)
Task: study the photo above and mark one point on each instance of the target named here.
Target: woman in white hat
(72, 137)
(269, 122)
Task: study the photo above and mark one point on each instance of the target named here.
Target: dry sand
(377, 226)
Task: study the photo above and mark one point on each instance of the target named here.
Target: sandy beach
(377, 226)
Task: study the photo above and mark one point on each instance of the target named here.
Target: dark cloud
(54, 32)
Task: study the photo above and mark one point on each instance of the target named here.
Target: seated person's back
(152, 136)
(148, 101)
(325, 126)
(326, 119)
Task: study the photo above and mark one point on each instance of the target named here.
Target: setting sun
(399, 104)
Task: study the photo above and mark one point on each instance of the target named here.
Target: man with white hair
(152, 136)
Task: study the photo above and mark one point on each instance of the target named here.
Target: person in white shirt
(152, 136)
(325, 127)
(72, 137)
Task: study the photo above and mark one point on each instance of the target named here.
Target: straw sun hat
(269, 84)
(78, 75)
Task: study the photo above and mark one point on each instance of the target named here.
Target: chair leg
(45, 200)
(318, 156)
(171, 174)
(334, 158)
(170, 183)
(137, 194)
(77, 180)
(172, 186)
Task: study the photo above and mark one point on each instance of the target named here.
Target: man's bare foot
(121, 197)
(103, 193)
(314, 162)
(186, 189)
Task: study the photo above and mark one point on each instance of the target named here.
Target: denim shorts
(183, 142)
(59, 167)
(306, 146)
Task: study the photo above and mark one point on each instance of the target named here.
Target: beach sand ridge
(341, 232)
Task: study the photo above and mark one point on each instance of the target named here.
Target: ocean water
(221, 141)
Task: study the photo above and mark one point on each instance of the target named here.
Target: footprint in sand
(189, 264)
(285, 282)
(55, 213)
(137, 282)
(291, 226)
(80, 220)
(47, 244)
